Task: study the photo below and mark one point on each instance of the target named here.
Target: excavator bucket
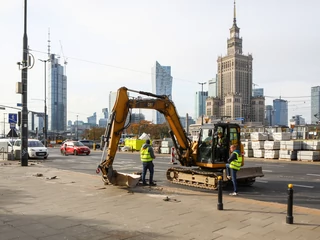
(250, 172)
(124, 179)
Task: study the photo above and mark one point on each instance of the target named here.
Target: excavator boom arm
(118, 120)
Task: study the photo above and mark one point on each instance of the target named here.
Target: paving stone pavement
(37, 202)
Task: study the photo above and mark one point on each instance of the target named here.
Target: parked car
(74, 147)
(35, 148)
(89, 143)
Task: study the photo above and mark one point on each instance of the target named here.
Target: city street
(272, 187)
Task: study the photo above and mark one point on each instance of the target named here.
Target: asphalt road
(304, 176)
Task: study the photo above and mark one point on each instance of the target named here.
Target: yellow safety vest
(236, 164)
(145, 155)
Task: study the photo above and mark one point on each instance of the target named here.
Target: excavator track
(194, 177)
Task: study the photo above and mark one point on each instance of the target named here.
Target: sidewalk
(50, 204)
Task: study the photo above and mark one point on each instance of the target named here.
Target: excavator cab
(215, 141)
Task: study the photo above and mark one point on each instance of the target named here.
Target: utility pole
(202, 101)
(45, 101)
(24, 96)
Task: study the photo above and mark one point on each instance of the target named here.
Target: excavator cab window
(205, 145)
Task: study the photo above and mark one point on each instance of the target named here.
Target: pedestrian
(233, 166)
(147, 156)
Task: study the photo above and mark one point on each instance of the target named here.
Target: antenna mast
(49, 43)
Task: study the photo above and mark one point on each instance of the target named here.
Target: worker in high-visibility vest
(147, 156)
(233, 166)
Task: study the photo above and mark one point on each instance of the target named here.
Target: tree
(94, 133)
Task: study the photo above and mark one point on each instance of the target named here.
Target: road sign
(13, 118)
(19, 104)
(12, 125)
(12, 133)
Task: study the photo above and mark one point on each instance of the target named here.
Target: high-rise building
(200, 103)
(257, 92)
(257, 109)
(105, 112)
(315, 104)
(57, 96)
(280, 108)
(112, 99)
(137, 117)
(297, 120)
(212, 87)
(269, 115)
(234, 78)
(213, 107)
(35, 121)
(161, 85)
(93, 119)
(103, 121)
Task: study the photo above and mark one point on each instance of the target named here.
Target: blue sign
(19, 104)
(13, 118)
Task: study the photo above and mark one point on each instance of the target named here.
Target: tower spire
(234, 12)
(49, 43)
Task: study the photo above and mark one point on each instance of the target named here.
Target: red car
(74, 147)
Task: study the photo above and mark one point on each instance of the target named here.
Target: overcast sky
(113, 43)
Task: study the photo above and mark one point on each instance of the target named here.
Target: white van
(35, 148)
(6, 144)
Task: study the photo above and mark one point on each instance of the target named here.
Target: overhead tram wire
(112, 66)
(281, 97)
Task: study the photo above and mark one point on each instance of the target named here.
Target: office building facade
(315, 104)
(212, 87)
(161, 85)
(92, 120)
(257, 92)
(269, 113)
(280, 108)
(200, 103)
(57, 96)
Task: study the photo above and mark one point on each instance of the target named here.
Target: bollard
(220, 204)
(289, 219)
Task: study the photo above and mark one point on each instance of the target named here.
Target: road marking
(311, 174)
(261, 181)
(271, 165)
(304, 186)
(266, 170)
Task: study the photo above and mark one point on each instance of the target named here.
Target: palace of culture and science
(234, 98)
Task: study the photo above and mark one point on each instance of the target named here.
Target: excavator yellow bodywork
(201, 161)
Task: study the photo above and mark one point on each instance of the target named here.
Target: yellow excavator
(202, 161)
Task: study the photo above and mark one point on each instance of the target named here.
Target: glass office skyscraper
(280, 108)
(315, 104)
(161, 85)
(57, 96)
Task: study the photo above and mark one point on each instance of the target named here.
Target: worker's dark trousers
(145, 167)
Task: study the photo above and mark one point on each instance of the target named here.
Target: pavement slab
(77, 206)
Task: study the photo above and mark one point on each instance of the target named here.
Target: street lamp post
(202, 100)
(45, 101)
(24, 96)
